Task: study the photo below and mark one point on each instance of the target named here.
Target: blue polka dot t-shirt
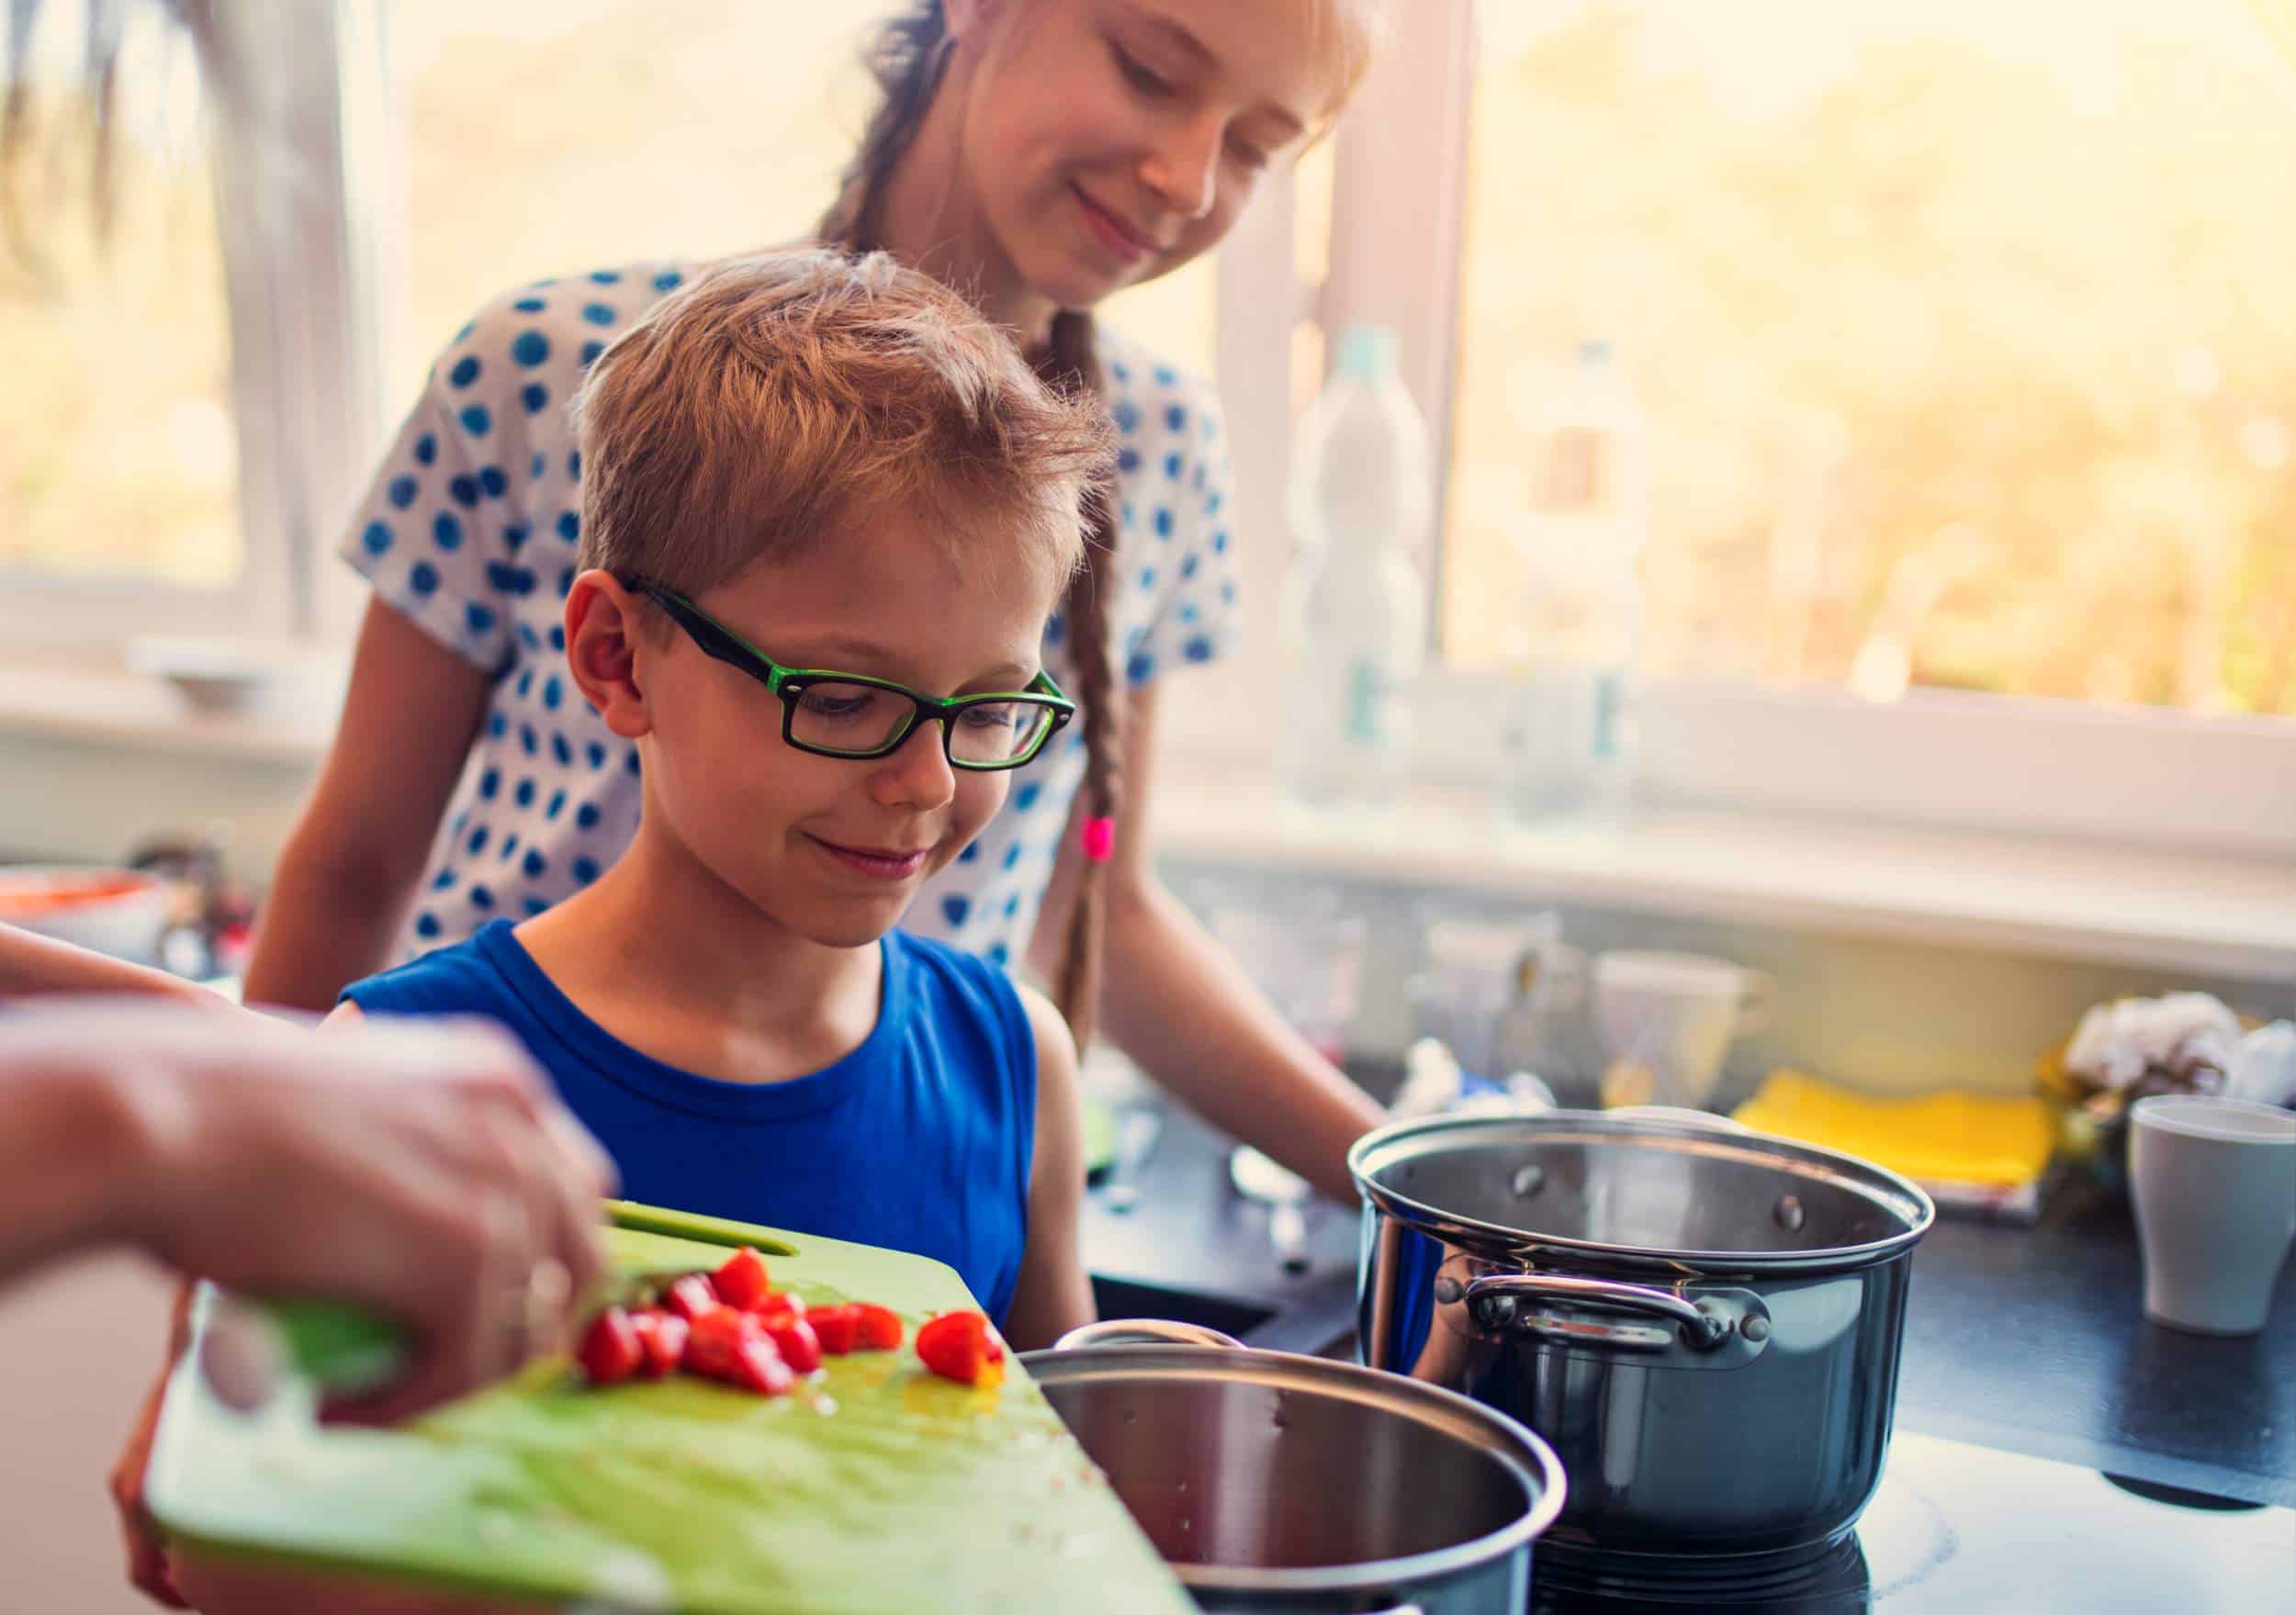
(470, 530)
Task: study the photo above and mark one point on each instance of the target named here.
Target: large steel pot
(1704, 1324)
(1277, 1483)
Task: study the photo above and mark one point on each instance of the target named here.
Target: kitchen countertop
(2024, 1339)
(2034, 1340)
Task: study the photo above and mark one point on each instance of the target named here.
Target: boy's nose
(917, 773)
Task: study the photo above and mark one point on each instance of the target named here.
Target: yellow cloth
(1979, 1139)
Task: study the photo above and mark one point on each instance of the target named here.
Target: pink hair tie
(1100, 840)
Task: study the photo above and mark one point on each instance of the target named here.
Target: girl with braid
(1036, 156)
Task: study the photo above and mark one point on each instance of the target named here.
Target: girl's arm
(1052, 1295)
(349, 870)
(1230, 1057)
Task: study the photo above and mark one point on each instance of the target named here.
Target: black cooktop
(1957, 1529)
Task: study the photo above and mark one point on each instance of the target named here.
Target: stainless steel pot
(1704, 1324)
(1271, 1482)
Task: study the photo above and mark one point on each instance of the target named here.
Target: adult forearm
(32, 965)
(1187, 1013)
(70, 1140)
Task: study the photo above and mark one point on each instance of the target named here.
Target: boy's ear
(604, 652)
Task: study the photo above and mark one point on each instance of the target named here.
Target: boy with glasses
(826, 511)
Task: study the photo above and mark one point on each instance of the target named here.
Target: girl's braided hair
(907, 59)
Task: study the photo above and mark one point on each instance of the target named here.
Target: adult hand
(419, 1170)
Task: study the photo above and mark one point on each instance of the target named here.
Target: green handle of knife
(343, 1348)
(694, 1226)
(347, 1350)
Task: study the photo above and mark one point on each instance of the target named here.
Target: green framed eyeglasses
(853, 715)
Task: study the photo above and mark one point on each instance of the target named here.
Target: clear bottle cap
(1368, 352)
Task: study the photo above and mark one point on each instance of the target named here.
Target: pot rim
(1518, 1447)
(1898, 1194)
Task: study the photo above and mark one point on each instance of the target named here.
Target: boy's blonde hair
(781, 395)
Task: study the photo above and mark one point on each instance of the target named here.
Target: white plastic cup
(1677, 1014)
(2214, 1184)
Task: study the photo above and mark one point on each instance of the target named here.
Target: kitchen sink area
(1168, 1236)
(1231, 1315)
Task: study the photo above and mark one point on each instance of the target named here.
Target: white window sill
(2185, 912)
(2178, 911)
(109, 705)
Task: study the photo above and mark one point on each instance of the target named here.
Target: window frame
(2008, 764)
(313, 222)
(299, 295)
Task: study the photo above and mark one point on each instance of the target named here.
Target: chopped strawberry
(961, 1346)
(880, 1327)
(743, 1281)
(758, 1366)
(663, 1337)
(799, 1346)
(837, 1328)
(691, 1297)
(716, 1336)
(611, 1351)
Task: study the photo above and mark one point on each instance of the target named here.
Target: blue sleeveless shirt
(918, 1140)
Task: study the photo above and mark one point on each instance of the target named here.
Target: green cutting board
(881, 1487)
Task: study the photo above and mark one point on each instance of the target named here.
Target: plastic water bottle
(1352, 614)
(1570, 751)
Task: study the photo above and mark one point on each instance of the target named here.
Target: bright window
(119, 459)
(1962, 330)
(552, 135)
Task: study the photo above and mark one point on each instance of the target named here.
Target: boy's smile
(876, 864)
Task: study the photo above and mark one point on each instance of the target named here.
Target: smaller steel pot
(1274, 1482)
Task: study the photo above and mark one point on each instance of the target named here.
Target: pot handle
(1164, 1332)
(1700, 1331)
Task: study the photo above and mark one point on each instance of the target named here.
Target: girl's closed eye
(1248, 154)
(1140, 75)
(1249, 157)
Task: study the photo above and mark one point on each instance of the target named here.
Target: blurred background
(1961, 328)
